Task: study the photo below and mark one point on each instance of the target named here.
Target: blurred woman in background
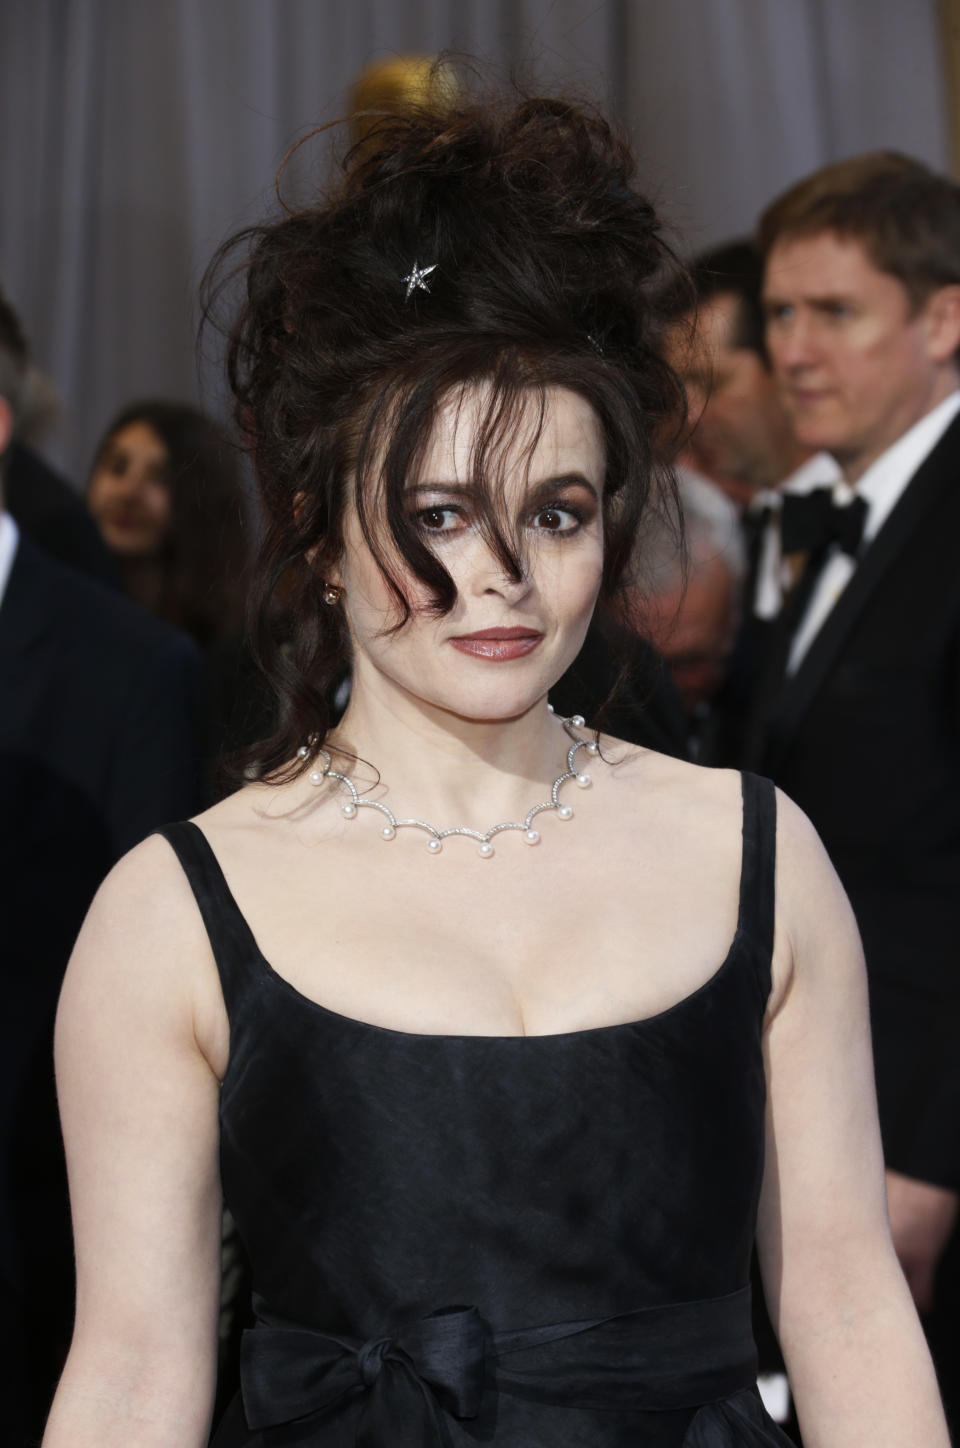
(167, 495)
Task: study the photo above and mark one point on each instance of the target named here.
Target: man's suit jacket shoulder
(100, 691)
(49, 512)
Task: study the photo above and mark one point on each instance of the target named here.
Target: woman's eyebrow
(542, 487)
(456, 490)
(564, 480)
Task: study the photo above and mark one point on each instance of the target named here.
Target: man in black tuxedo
(858, 718)
(96, 749)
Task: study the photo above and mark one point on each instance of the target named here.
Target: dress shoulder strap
(234, 948)
(757, 888)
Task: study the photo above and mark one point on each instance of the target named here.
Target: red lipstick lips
(498, 643)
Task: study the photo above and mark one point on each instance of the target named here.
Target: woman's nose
(489, 573)
(499, 580)
(125, 482)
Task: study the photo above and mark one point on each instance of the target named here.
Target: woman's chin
(502, 705)
(129, 547)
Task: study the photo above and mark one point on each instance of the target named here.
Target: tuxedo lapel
(936, 474)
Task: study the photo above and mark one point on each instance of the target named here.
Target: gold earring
(331, 593)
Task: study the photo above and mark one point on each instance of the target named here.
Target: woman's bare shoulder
(811, 901)
(143, 928)
(146, 901)
(145, 891)
(675, 785)
(710, 799)
(253, 824)
(143, 962)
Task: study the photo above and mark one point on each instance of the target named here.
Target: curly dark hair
(206, 554)
(548, 267)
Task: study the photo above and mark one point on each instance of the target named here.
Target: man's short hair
(14, 356)
(735, 270)
(906, 217)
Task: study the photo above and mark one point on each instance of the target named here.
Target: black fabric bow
(292, 1372)
(810, 522)
(675, 1355)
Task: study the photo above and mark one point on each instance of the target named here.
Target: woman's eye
(556, 520)
(438, 520)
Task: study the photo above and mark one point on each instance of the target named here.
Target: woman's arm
(856, 1355)
(138, 1102)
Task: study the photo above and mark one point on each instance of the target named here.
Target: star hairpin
(416, 279)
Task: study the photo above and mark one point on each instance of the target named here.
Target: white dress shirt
(9, 538)
(881, 486)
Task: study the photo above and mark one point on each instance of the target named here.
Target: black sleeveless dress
(527, 1242)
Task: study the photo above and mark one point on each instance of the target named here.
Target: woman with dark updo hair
(492, 1028)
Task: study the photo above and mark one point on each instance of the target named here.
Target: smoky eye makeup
(439, 518)
(571, 496)
(559, 505)
(560, 516)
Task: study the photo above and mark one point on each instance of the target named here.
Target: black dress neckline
(242, 926)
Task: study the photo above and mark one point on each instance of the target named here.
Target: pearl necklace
(352, 806)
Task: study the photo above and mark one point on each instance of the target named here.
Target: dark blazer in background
(620, 683)
(97, 748)
(865, 736)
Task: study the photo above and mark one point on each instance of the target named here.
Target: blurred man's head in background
(689, 607)
(743, 437)
(862, 299)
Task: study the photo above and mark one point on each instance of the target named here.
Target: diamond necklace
(351, 807)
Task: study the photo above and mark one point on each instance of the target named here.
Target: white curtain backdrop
(729, 101)
(136, 134)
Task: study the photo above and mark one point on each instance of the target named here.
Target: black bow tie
(810, 522)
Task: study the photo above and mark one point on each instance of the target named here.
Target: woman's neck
(447, 769)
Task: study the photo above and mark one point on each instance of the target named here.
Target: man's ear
(942, 318)
(6, 425)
